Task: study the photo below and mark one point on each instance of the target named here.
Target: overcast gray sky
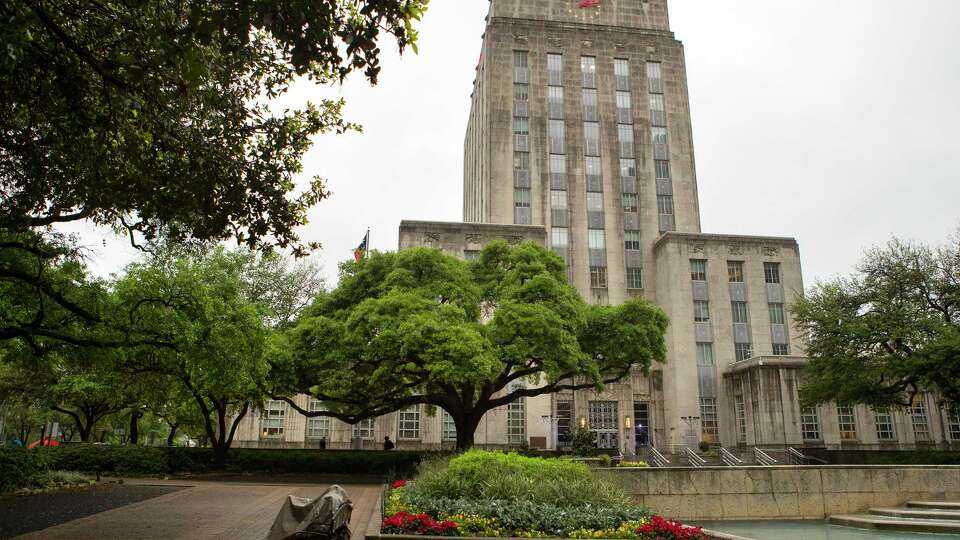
(832, 121)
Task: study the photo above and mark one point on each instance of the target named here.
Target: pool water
(810, 530)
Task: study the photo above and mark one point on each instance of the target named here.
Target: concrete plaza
(233, 510)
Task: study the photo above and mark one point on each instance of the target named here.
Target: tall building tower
(580, 122)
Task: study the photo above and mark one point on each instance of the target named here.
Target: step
(867, 521)
(943, 505)
(916, 513)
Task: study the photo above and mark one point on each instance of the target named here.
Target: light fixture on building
(582, 421)
(627, 422)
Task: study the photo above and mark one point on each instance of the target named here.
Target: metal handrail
(796, 457)
(729, 459)
(656, 458)
(694, 459)
(763, 458)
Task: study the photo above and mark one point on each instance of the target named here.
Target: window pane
(630, 202)
(588, 67)
(594, 201)
(771, 272)
(698, 269)
(809, 424)
(776, 314)
(558, 199)
(884, 424)
(591, 135)
(847, 422)
(634, 278)
(590, 106)
(739, 312)
(735, 271)
(705, 354)
(559, 237)
(628, 168)
(595, 239)
(701, 311)
(631, 240)
(665, 204)
(598, 276)
(742, 351)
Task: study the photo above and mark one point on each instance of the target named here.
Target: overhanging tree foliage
(888, 332)
(151, 117)
(422, 327)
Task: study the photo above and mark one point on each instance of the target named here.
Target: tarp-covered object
(327, 516)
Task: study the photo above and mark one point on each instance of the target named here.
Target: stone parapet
(786, 492)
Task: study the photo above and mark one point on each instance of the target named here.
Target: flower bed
(491, 494)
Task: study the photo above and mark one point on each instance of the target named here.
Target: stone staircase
(916, 516)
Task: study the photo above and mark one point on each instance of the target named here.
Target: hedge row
(17, 466)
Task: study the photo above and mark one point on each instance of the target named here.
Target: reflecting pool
(809, 530)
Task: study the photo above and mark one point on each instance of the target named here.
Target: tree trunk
(466, 428)
(219, 456)
(172, 435)
(85, 432)
(134, 426)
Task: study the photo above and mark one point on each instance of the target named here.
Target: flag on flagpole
(361, 250)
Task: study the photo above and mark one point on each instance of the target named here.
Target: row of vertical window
(272, 420)
(743, 348)
(883, 423)
(596, 244)
(521, 139)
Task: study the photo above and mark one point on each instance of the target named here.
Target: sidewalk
(206, 509)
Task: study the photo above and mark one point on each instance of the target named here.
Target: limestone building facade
(579, 138)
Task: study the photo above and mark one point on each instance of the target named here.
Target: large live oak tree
(152, 117)
(888, 332)
(422, 327)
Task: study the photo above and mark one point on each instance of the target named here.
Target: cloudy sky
(835, 122)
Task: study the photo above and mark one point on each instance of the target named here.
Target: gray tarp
(300, 514)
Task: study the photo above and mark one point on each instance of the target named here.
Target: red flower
(661, 529)
(403, 522)
(398, 484)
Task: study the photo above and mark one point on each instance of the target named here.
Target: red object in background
(47, 441)
(589, 3)
(398, 484)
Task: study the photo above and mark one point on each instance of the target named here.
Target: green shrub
(704, 446)
(584, 442)
(21, 468)
(477, 475)
(522, 515)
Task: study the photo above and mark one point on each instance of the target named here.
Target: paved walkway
(215, 510)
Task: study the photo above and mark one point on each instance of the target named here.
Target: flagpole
(368, 243)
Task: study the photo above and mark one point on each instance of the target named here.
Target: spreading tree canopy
(422, 327)
(889, 331)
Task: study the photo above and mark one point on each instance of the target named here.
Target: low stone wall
(801, 492)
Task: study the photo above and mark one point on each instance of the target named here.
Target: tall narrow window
(625, 137)
(701, 311)
(698, 269)
(776, 313)
(517, 419)
(588, 67)
(742, 351)
(665, 204)
(521, 197)
(564, 422)
(953, 422)
(558, 199)
(630, 202)
(884, 423)
(658, 110)
(555, 70)
(634, 278)
(556, 143)
(771, 272)
(272, 419)
(628, 168)
(847, 423)
(595, 239)
(740, 410)
(810, 424)
(559, 237)
(590, 111)
(631, 240)
(591, 135)
(739, 310)
(409, 423)
(318, 427)
(654, 78)
(624, 110)
(621, 73)
(595, 202)
(555, 102)
(918, 418)
(449, 427)
(603, 418)
(598, 277)
(558, 171)
(735, 271)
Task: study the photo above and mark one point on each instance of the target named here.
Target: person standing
(387, 443)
